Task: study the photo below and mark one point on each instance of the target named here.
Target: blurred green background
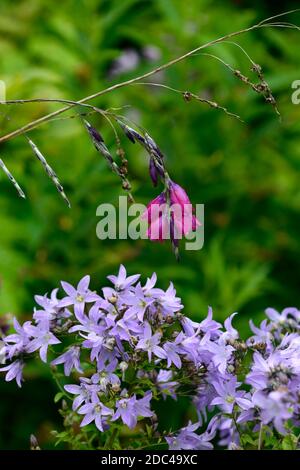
(247, 175)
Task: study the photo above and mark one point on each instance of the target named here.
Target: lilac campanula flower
(189, 345)
(137, 302)
(228, 433)
(51, 310)
(94, 412)
(42, 338)
(122, 338)
(168, 302)
(16, 343)
(275, 408)
(121, 281)
(93, 328)
(262, 334)
(106, 356)
(172, 356)
(129, 409)
(283, 317)
(231, 333)
(148, 288)
(187, 439)
(165, 384)
(142, 405)
(205, 394)
(270, 372)
(107, 378)
(91, 323)
(227, 395)
(189, 326)
(70, 359)
(208, 325)
(221, 354)
(14, 371)
(149, 343)
(127, 328)
(78, 297)
(86, 391)
(94, 341)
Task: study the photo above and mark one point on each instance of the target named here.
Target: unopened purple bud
(129, 134)
(132, 135)
(153, 146)
(96, 136)
(153, 172)
(99, 144)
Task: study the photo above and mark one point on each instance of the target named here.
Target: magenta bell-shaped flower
(170, 218)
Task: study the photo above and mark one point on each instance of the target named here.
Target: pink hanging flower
(156, 215)
(184, 219)
(170, 217)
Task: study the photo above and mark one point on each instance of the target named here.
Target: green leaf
(58, 397)
(289, 442)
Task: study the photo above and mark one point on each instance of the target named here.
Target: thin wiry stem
(219, 59)
(189, 95)
(49, 100)
(280, 25)
(241, 48)
(74, 116)
(48, 117)
(279, 15)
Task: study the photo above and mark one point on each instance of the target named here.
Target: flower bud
(34, 445)
(115, 387)
(123, 366)
(113, 299)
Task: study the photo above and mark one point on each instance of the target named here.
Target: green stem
(236, 425)
(48, 117)
(260, 437)
(111, 439)
(59, 385)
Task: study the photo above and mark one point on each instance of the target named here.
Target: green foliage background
(247, 175)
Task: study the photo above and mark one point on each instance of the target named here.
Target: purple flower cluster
(132, 345)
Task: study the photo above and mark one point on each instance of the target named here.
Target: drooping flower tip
(170, 217)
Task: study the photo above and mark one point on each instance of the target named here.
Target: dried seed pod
(12, 179)
(50, 172)
(126, 185)
(187, 96)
